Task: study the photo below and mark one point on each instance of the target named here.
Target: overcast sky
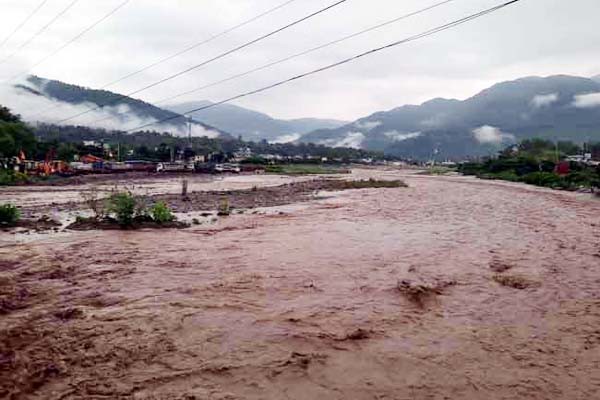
(533, 37)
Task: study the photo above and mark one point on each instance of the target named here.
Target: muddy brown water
(141, 184)
(305, 304)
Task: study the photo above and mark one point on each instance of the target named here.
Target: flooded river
(35, 196)
(304, 302)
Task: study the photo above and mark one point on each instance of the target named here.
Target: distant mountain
(596, 78)
(253, 125)
(117, 109)
(556, 107)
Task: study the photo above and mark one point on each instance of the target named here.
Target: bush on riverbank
(9, 214)
(123, 210)
(122, 206)
(161, 213)
(10, 177)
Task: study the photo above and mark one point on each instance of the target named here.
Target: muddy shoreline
(269, 196)
(264, 196)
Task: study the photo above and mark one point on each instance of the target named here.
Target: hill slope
(557, 107)
(253, 125)
(117, 111)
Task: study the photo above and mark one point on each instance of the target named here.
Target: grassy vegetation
(534, 162)
(9, 214)
(161, 213)
(304, 169)
(126, 211)
(9, 177)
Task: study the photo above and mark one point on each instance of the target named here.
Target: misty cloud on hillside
(491, 135)
(38, 108)
(544, 100)
(399, 136)
(367, 125)
(587, 100)
(286, 138)
(352, 139)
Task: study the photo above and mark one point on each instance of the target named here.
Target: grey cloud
(515, 42)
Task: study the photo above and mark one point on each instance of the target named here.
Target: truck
(235, 168)
(174, 167)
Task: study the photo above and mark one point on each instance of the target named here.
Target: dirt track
(306, 304)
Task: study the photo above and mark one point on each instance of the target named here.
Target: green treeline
(534, 161)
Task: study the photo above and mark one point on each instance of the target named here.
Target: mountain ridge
(251, 124)
(557, 107)
(113, 106)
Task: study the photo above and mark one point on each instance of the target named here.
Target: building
(242, 153)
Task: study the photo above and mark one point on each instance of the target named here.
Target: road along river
(452, 288)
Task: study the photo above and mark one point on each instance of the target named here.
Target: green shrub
(547, 179)
(9, 214)
(504, 175)
(10, 177)
(581, 178)
(161, 213)
(122, 205)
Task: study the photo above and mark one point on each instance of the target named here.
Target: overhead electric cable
(288, 58)
(222, 55)
(195, 45)
(337, 64)
(39, 32)
(22, 24)
(181, 52)
(74, 39)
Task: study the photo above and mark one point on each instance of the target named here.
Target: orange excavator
(50, 166)
(47, 167)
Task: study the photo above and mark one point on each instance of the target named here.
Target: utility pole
(190, 129)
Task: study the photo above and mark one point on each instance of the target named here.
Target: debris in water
(514, 281)
(499, 266)
(420, 293)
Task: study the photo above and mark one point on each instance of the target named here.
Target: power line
(195, 45)
(288, 58)
(183, 51)
(339, 63)
(222, 55)
(10, 35)
(74, 39)
(39, 32)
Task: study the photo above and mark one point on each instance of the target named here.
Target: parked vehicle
(174, 167)
(141, 165)
(116, 166)
(235, 168)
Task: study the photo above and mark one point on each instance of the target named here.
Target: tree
(14, 135)
(66, 152)
(7, 116)
(143, 152)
